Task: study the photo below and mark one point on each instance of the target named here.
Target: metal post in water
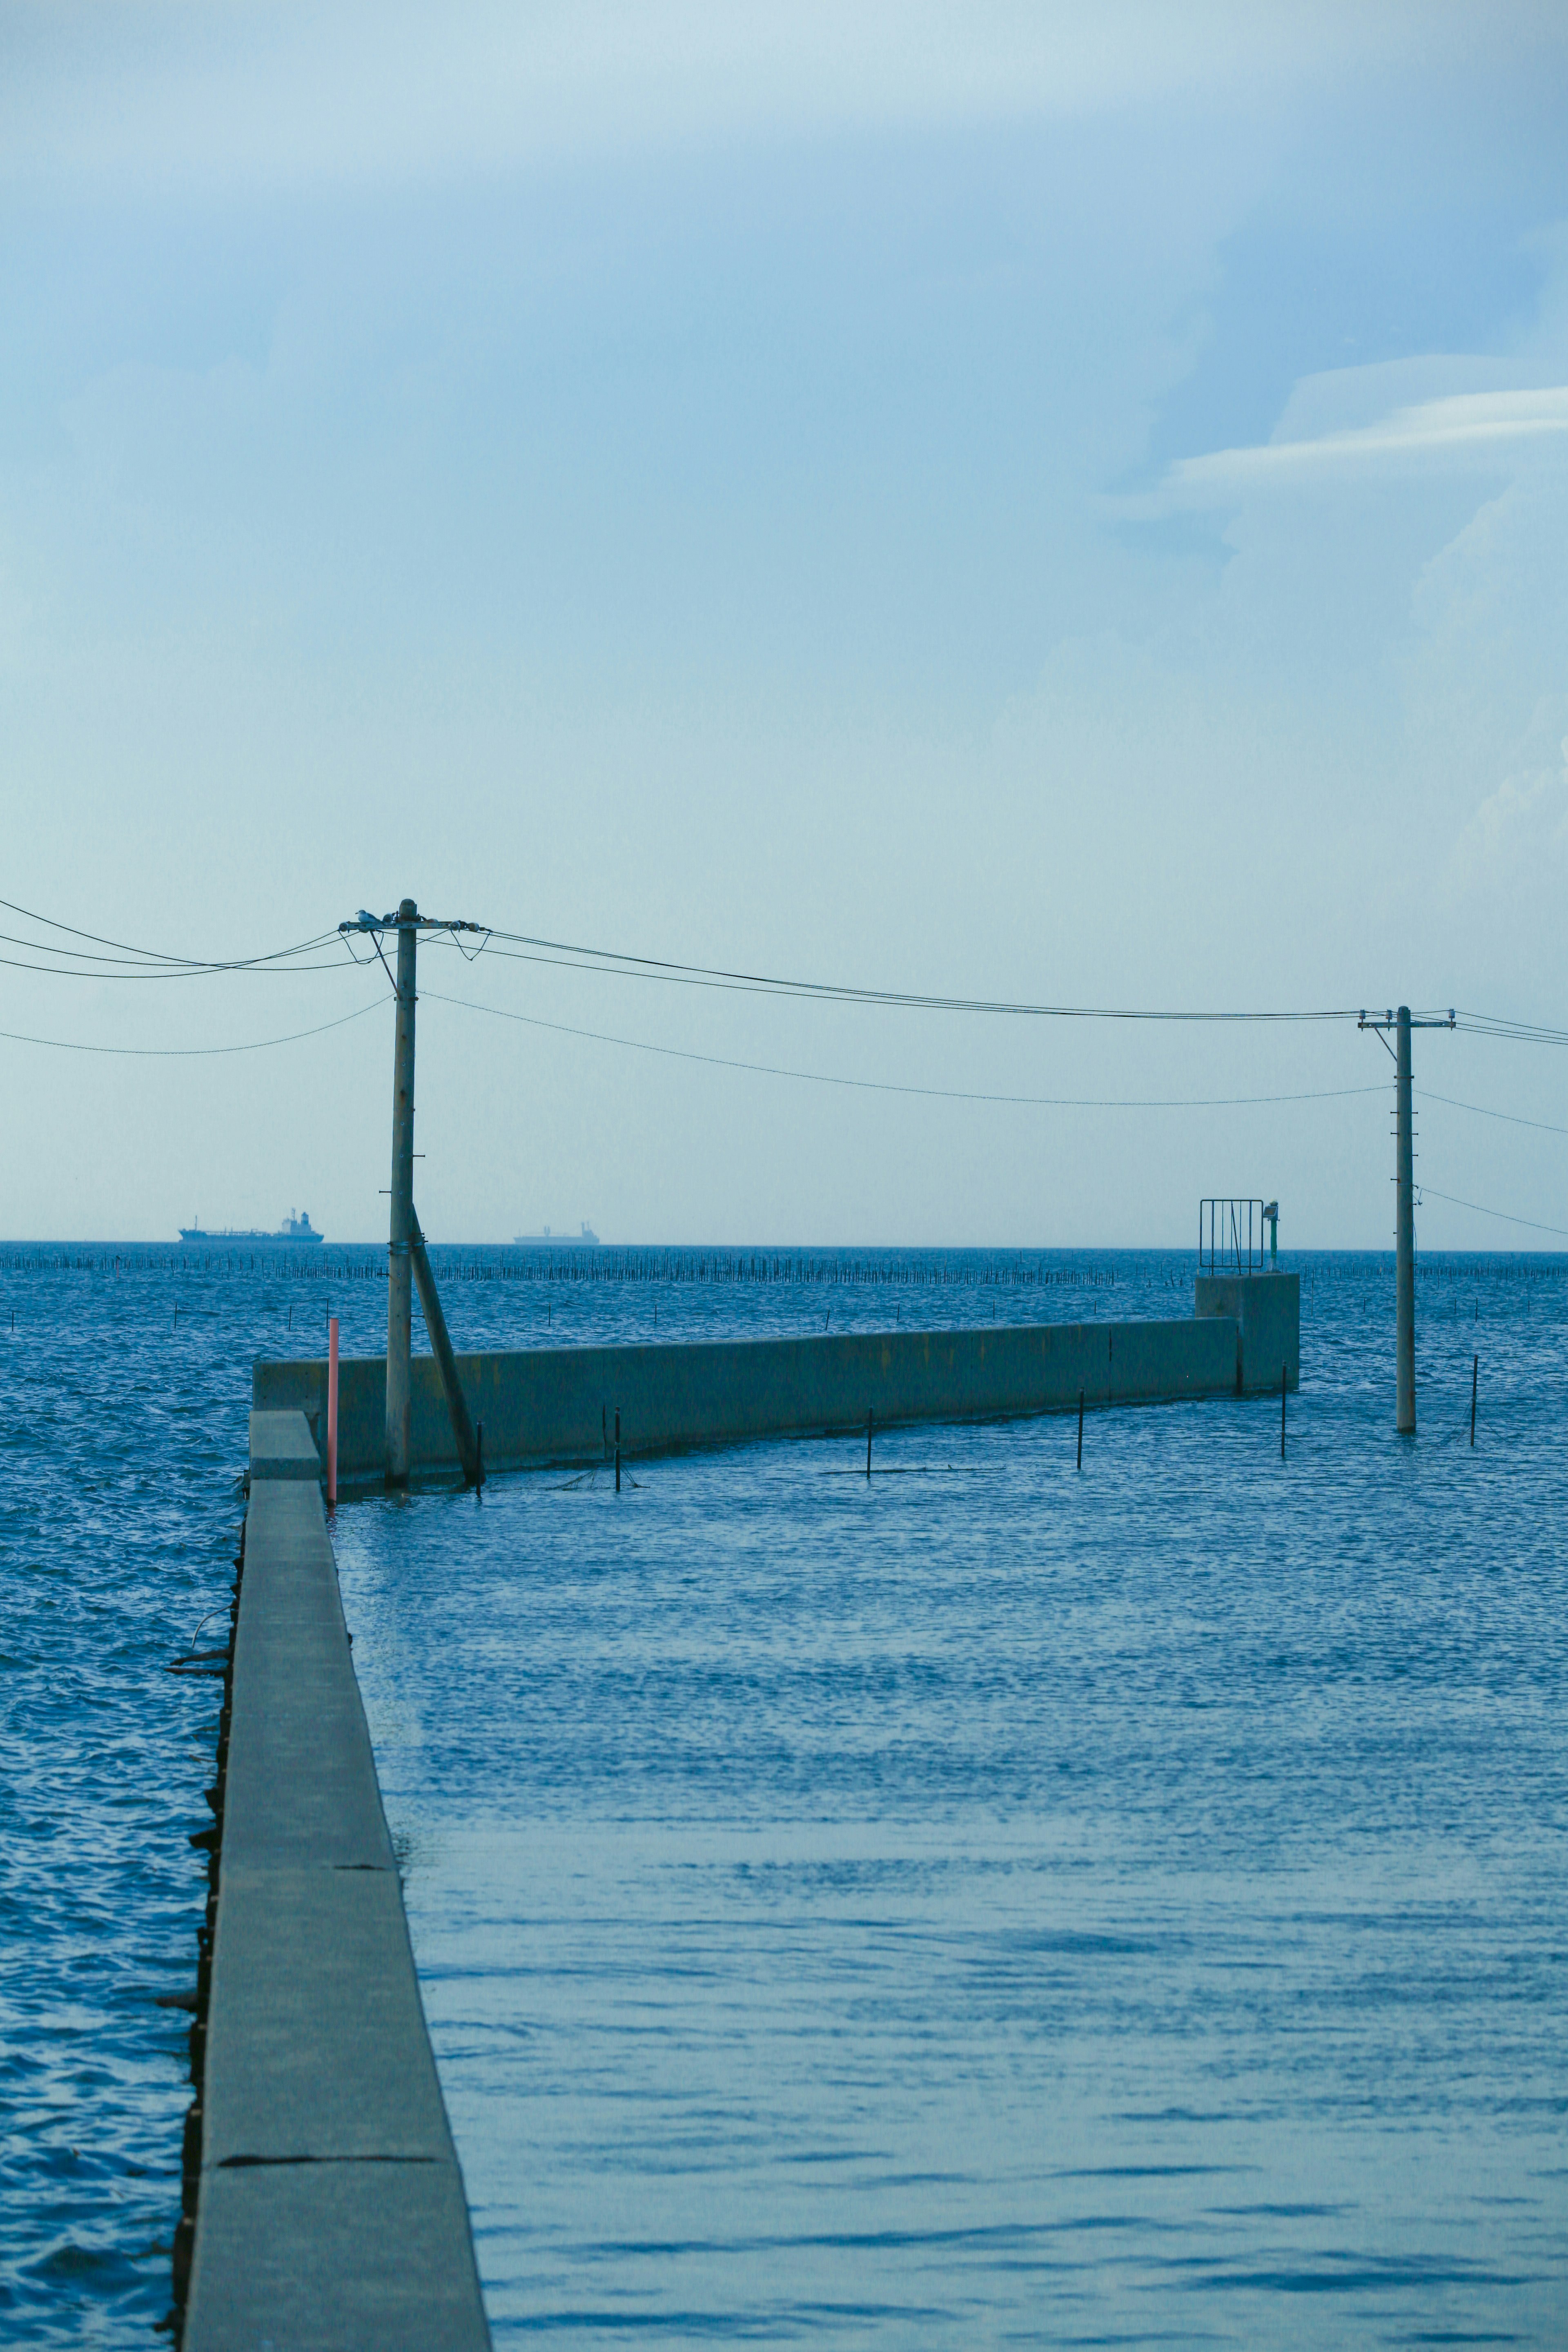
(400, 1269)
(1405, 1237)
(1475, 1382)
(331, 1408)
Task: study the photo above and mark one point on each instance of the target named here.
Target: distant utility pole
(1404, 1206)
(408, 922)
(400, 1261)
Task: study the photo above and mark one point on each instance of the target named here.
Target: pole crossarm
(1449, 1020)
(364, 921)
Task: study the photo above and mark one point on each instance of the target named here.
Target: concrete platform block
(1266, 1311)
(316, 2040)
(301, 1785)
(281, 1446)
(337, 2257)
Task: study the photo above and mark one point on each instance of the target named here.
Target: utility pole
(1401, 1023)
(403, 1234)
(1404, 1235)
(400, 1262)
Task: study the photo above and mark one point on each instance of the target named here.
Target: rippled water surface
(993, 1903)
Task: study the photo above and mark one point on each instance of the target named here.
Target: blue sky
(948, 499)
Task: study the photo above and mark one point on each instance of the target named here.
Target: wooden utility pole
(1404, 1235)
(400, 1265)
(403, 1237)
(1401, 1023)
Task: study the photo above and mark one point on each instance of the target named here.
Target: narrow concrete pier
(540, 1405)
(330, 2208)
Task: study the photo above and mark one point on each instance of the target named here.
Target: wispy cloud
(291, 91)
(1472, 425)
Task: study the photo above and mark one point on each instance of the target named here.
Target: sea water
(990, 1902)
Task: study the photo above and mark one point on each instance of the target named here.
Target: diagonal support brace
(440, 1341)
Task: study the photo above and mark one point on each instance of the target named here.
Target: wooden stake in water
(1475, 1381)
(1080, 1429)
(1284, 1392)
(867, 1445)
(617, 1449)
(331, 1408)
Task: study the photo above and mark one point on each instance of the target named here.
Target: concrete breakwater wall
(1266, 1311)
(329, 2207)
(559, 1403)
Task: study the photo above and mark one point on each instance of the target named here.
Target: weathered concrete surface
(281, 1446)
(557, 1404)
(1266, 1311)
(331, 2210)
(332, 2258)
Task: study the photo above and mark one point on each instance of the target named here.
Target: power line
(1541, 1126)
(1524, 1033)
(572, 956)
(128, 962)
(1481, 1210)
(183, 1053)
(147, 963)
(105, 957)
(890, 1086)
(261, 967)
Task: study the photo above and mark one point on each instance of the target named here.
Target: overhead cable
(1482, 1211)
(263, 966)
(523, 948)
(1512, 1119)
(890, 1086)
(127, 962)
(1524, 1033)
(183, 1053)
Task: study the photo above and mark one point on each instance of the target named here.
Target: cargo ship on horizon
(292, 1233)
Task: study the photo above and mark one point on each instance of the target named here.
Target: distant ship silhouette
(290, 1235)
(547, 1240)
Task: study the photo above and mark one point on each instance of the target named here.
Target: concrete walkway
(330, 2208)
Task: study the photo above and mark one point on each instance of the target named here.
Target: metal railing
(1231, 1235)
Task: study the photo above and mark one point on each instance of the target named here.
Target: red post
(331, 1408)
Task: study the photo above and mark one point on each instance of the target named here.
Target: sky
(1026, 503)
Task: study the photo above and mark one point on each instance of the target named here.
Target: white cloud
(1462, 427)
(1517, 839)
